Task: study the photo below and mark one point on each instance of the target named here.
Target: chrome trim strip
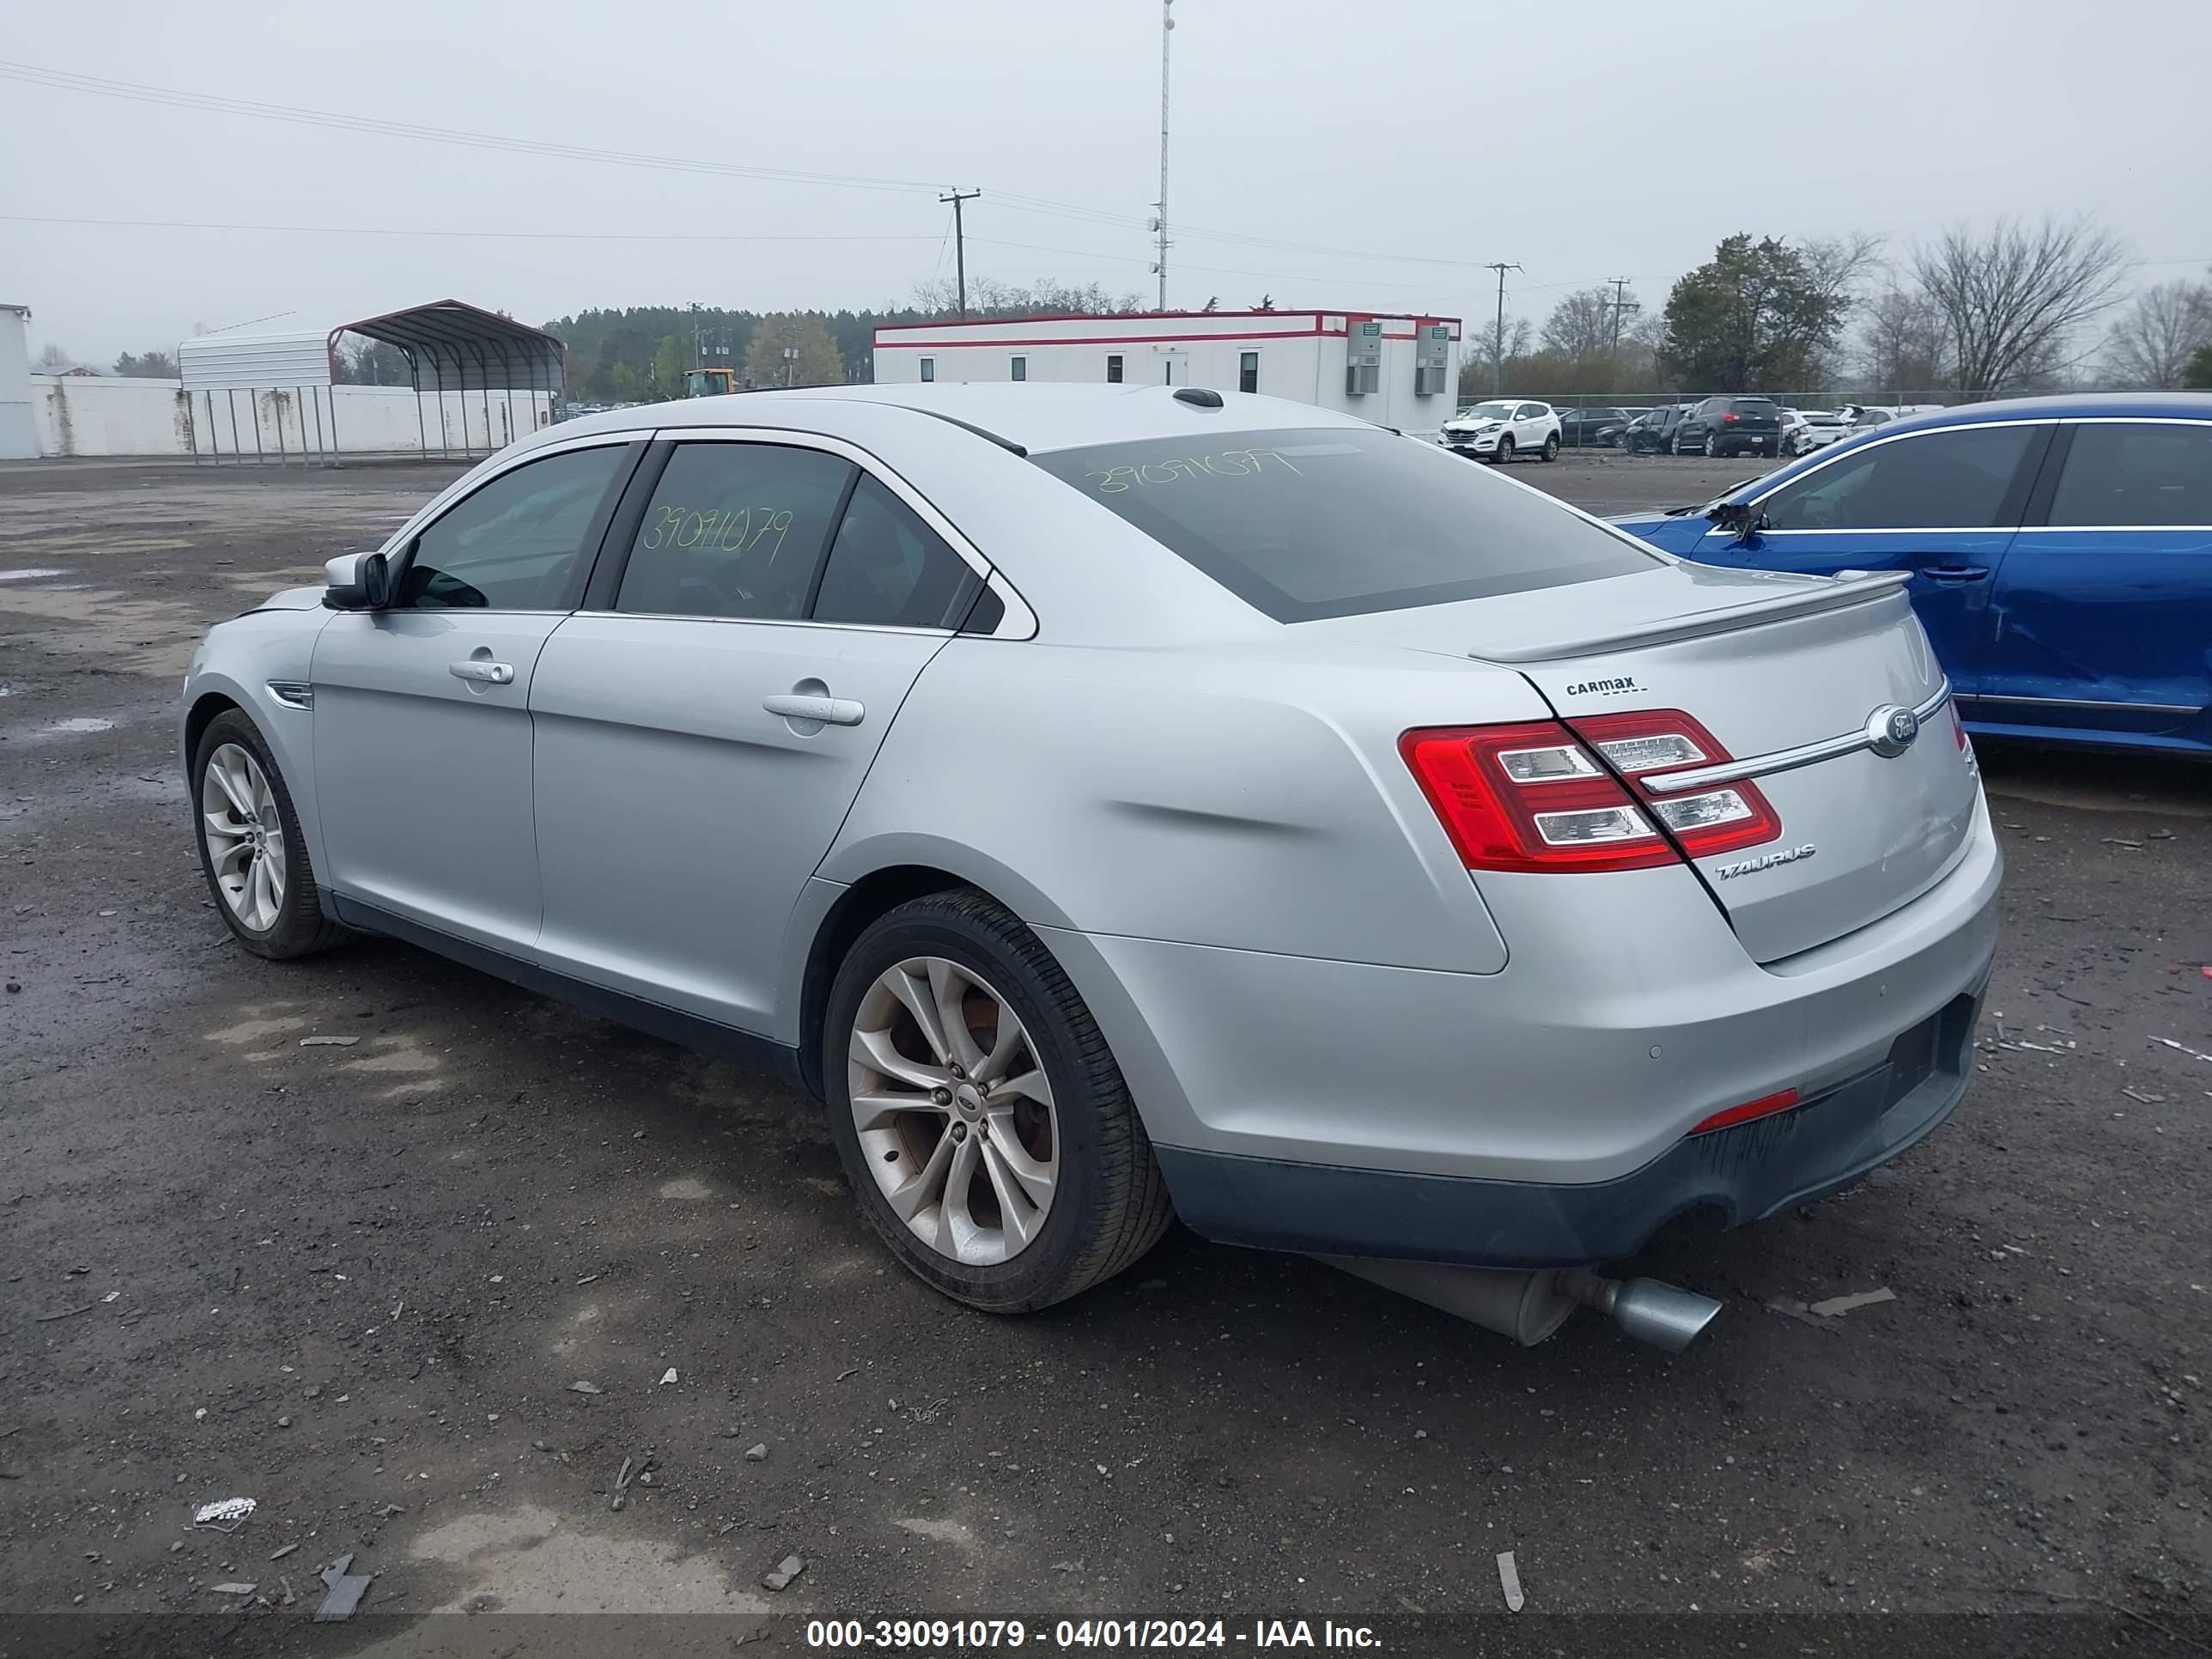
(1782, 760)
(293, 694)
(2091, 702)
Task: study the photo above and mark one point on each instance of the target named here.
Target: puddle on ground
(29, 576)
(524, 1560)
(82, 723)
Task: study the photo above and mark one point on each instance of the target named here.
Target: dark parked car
(1580, 428)
(1652, 432)
(1730, 426)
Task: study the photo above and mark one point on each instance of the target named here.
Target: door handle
(491, 673)
(831, 711)
(1955, 573)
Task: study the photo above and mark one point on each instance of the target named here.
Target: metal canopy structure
(457, 354)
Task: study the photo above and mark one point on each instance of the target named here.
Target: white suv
(1503, 428)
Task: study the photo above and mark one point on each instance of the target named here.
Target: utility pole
(1497, 340)
(1160, 223)
(959, 244)
(1620, 302)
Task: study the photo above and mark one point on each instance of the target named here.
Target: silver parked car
(1119, 802)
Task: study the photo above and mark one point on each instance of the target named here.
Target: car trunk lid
(1786, 673)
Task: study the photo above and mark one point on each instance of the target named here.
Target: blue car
(2061, 553)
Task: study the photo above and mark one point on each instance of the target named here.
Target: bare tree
(1581, 326)
(1905, 342)
(988, 296)
(1490, 351)
(2150, 343)
(2016, 296)
(1837, 266)
(54, 359)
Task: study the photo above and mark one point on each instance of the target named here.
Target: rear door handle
(492, 673)
(831, 711)
(1955, 573)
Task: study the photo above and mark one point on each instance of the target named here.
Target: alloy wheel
(953, 1110)
(244, 836)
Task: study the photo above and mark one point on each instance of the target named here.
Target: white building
(1393, 369)
(19, 433)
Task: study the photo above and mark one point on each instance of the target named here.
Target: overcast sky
(1584, 140)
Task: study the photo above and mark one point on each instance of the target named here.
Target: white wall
(19, 431)
(1295, 362)
(93, 415)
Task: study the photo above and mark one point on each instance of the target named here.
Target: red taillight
(1731, 417)
(1530, 798)
(1535, 797)
(1765, 1106)
(1651, 742)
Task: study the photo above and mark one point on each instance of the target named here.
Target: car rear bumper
(1542, 1113)
(1731, 1177)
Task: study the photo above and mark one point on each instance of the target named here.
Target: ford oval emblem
(1890, 730)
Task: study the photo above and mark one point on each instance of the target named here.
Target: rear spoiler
(1847, 587)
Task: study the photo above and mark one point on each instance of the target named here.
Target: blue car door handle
(1955, 573)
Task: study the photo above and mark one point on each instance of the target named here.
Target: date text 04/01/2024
(943, 1634)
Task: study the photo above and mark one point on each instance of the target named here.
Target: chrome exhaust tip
(1528, 1305)
(1665, 1315)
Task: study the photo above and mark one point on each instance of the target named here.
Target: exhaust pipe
(1528, 1306)
(1665, 1315)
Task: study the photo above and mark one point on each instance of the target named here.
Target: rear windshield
(1318, 522)
(1755, 406)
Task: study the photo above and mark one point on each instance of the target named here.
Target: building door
(1174, 369)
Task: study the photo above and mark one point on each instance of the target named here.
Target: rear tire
(1082, 1146)
(252, 851)
(1713, 446)
(1551, 449)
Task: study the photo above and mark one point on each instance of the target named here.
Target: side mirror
(358, 581)
(1740, 517)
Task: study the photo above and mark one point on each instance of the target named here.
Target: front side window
(1113, 369)
(1021, 369)
(929, 369)
(2137, 475)
(889, 568)
(514, 544)
(1313, 522)
(1942, 480)
(1248, 371)
(734, 529)
(1528, 412)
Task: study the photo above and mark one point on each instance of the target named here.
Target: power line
(494, 235)
(210, 103)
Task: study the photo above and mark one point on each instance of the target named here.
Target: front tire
(986, 1130)
(252, 851)
(1551, 449)
(1503, 451)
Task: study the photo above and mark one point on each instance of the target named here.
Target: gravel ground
(363, 1282)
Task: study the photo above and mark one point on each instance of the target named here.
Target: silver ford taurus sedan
(1123, 802)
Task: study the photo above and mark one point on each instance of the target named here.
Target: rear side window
(1942, 480)
(889, 568)
(1313, 522)
(734, 530)
(2144, 475)
(512, 545)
